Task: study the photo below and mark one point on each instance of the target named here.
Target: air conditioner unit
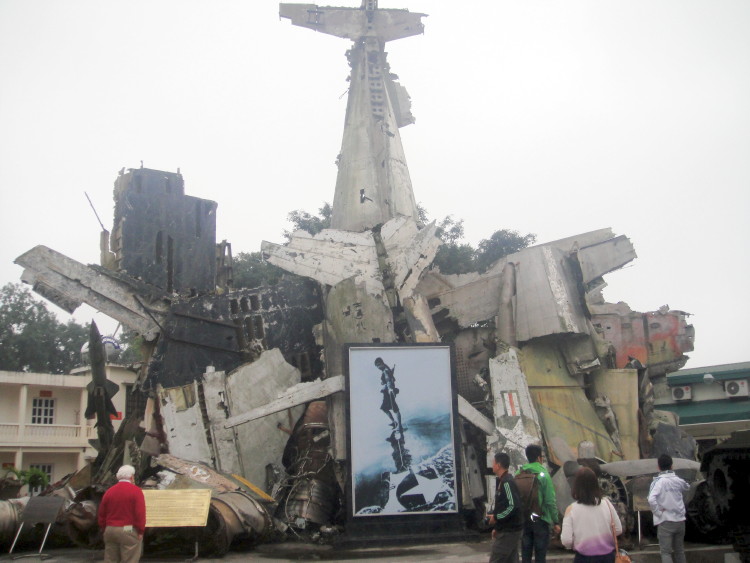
(682, 393)
(736, 388)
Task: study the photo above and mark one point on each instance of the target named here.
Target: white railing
(8, 430)
(57, 434)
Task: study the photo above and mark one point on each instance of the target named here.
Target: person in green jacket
(536, 531)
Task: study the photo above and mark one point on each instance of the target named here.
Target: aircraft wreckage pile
(241, 388)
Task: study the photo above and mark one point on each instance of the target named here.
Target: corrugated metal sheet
(565, 412)
(621, 387)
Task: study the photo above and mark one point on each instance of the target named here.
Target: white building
(712, 401)
(42, 420)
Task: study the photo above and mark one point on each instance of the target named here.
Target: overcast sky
(553, 118)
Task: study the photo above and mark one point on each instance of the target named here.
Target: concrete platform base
(474, 552)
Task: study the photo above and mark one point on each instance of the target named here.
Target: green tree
(31, 337)
(131, 342)
(453, 256)
(313, 224)
(250, 270)
(456, 257)
(501, 243)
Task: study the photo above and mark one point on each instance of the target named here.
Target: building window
(45, 468)
(42, 411)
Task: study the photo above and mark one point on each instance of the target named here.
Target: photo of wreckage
(242, 389)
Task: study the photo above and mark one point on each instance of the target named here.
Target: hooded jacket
(665, 497)
(547, 498)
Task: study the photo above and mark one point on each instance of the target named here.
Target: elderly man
(122, 516)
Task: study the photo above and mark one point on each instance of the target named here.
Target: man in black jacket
(506, 518)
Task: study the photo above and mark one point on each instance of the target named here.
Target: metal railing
(35, 433)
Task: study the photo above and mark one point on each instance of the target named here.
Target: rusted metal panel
(373, 183)
(332, 256)
(353, 23)
(223, 440)
(183, 423)
(620, 387)
(474, 347)
(516, 419)
(658, 339)
(160, 233)
(68, 284)
(261, 442)
(409, 251)
(352, 315)
(544, 365)
(538, 296)
(580, 353)
(634, 467)
(328, 257)
(566, 415)
(227, 330)
(419, 319)
(548, 300)
(470, 303)
(466, 410)
(199, 473)
(604, 257)
(669, 337)
(506, 322)
(291, 397)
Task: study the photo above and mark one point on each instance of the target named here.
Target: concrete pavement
(467, 552)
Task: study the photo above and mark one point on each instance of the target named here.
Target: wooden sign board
(177, 508)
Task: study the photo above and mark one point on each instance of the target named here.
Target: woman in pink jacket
(587, 525)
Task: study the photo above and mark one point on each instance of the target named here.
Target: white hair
(125, 472)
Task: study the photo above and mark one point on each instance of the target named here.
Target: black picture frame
(403, 440)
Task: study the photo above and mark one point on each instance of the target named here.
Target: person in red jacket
(122, 516)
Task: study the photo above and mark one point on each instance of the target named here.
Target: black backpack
(528, 489)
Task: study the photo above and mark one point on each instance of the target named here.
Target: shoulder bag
(620, 556)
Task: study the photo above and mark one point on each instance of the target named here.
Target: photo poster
(402, 434)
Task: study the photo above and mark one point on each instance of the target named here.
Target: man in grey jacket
(668, 507)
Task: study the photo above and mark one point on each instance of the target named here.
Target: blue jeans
(535, 540)
(671, 541)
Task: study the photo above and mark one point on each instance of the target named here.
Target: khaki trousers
(121, 546)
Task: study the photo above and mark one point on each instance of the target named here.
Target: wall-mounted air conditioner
(682, 393)
(736, 388)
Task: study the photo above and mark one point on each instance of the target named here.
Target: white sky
(552, 118)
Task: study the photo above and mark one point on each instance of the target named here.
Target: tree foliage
(453, 256)
(31, 337)
(250, 270)
(501, 243)
(131, 343)
(313, 224)
(456, 257)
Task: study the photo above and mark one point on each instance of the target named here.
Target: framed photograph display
(402, 438)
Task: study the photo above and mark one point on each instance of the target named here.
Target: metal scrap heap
(245, 383)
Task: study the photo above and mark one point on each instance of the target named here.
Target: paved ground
(474, 552)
